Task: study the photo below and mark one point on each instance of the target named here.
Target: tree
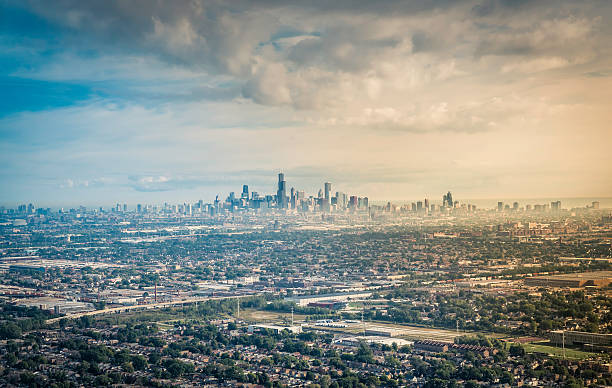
(517, 350)
(9, 331)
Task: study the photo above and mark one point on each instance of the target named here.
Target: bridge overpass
(149, 306)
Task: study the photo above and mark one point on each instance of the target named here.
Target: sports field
(557, 351)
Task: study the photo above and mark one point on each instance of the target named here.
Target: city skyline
(326, 200)
(183, 100)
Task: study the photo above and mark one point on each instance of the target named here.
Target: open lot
(264, 316)
(544, 347)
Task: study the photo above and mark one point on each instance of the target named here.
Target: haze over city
(176, 101)
(320, 194)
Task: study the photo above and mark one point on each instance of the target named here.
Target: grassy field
(556, 351)
(263, 316)
(408, 332)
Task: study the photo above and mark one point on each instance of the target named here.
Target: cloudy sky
(146, 101)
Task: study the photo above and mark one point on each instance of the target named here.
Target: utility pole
(362, 322)
(563, 342)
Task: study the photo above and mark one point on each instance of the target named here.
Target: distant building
(441, 347)
(327, 190)
(281, 193)
(574, 280)
(332, 305)
(570, 338)
(337, 297)
(274, 328)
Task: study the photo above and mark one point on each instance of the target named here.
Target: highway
(121, 309)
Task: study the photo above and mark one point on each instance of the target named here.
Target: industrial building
(573, 280)
(335, 297)
(274, 328)
(570, 338)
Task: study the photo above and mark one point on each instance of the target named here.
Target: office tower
(500, 206)
(293, 199)
(366, 203)
(515, 206)
(555, 206)
(353, 202)
(281, 194)
(327, 190)
(341, 200)
(449, 199)
(413, 206)
(245, 192)
(419, 206)
(139, 208)
(426, 202)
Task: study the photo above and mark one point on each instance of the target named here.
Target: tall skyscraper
(327, 190)
(245, 192)
(281, 194)
(293, 199)
(447, 200)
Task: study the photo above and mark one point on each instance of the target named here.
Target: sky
(148, 101)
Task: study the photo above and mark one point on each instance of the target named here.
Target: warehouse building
(573, 280)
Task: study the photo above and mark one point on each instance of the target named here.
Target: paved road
(144, 307)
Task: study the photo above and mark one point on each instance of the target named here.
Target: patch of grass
(264, 316)
(557, 351)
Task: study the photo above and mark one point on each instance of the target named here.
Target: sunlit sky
(152, 101)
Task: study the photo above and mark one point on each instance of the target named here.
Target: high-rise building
(353, 202)
(293, 198)
(500, 206)
(327, 190)
(245, 192)
(281, 194)
(426, 204)
(340, 200)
